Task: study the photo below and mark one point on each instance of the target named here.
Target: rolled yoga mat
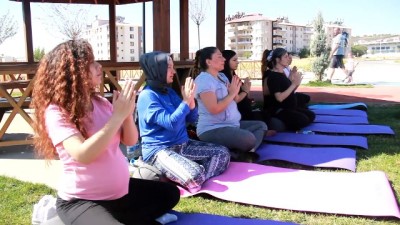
(340, 119)
(362, 194)
(318, 139)
(326, 157)
(355, 105)
(209, 219)
(340, 112)
(349, 129)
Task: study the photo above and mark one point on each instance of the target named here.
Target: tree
(318, 41)
(8, 27)
(304, 52)
(38, 54)
(70, 20)
(318, 47)
(359, 50)
(198, 14)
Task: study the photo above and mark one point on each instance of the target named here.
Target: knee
(224, 156)
(263, 125)
(248, 142)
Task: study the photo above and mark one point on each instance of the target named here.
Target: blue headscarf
(155, 66)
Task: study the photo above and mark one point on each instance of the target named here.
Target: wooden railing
(20, 76)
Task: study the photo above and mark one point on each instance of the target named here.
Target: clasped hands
(188, 92)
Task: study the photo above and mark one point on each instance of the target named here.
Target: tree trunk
(198, 34)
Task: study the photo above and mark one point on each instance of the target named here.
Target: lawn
(383, 154)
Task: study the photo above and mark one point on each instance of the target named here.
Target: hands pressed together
(295, 76)
(235, 85)
(246, 86)
(188, 92)
(124, 101)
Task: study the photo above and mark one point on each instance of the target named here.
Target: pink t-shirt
(105, 178)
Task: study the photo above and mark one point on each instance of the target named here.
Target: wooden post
(184, 29)
(220, 25)
(26, 10)
(161, 26)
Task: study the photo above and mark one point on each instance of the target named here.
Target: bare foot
(270, 133)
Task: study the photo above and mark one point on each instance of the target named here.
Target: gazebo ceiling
(104, 2)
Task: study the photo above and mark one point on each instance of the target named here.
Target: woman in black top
(244, 103)
(281, 101)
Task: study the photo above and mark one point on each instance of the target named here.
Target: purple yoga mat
(329, 157)
(340, 119)
(318, 139)
(349, 129)
(209, 219)
(340, 112)
(355, 105)
(363, 194)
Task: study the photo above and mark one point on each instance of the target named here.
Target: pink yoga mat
(363, 194)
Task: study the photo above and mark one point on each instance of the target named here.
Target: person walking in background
(162, 121)
(219, 119)
(337, 53)
(84, 130)
(350, 66)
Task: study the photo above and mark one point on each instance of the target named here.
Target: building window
(132, 59)
(131, 28)
(132, 36)
(132, 51)
(132, 43)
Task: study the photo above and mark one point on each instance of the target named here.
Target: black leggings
(296, 119)
(146, 201)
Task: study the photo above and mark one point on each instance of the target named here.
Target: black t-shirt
(245, 108)
(278, 82)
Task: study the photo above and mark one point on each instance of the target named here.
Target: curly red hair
(63, 79)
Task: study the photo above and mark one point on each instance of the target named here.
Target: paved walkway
(377, 94)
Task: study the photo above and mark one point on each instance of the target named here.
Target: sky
(365, 17)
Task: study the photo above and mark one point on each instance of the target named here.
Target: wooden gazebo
(161, 42)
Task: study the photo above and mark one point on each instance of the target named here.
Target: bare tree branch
(70, 20)
(8, 27)
(197, 13)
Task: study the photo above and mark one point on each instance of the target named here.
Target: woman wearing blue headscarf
(162, 123)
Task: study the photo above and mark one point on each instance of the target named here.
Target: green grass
(17, 200)
(326, 84)
(383, 154)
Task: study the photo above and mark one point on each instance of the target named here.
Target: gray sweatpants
(246, 138)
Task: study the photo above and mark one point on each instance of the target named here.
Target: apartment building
(128, 37)
(294, 36)
(251, 34)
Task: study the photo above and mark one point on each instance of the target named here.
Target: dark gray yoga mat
(327, 157)
(341, 119)
(318, 139)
